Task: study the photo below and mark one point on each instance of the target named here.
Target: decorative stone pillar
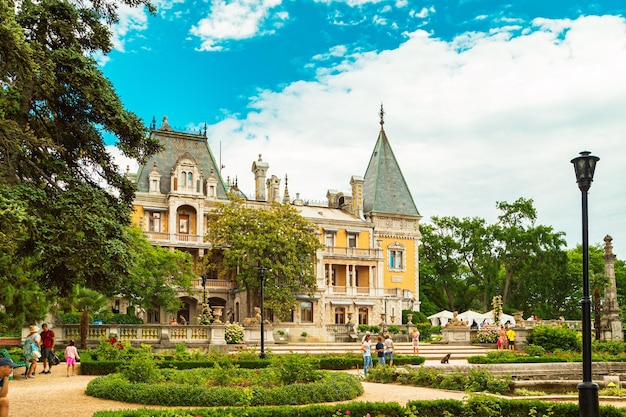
(611, 323)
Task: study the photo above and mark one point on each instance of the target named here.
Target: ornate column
(611, 321)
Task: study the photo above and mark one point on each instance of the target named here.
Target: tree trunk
(597, 312)
(84, 328)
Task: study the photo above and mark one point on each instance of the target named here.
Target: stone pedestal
(217, 334)
(521, 337)
(252, 334)
(456, 335)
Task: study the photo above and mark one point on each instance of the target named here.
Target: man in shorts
(47, 347)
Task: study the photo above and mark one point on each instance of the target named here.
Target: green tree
(444, 279)
(87, 301)
(55, 107)
(157, 274)
(523, 246)
(22, 299)
(275, 236)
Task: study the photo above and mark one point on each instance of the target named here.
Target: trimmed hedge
(475, 407)
(91, 366)
(333, 386)
(355, 409)
(483, 406)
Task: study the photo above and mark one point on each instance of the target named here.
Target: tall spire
(286, 197)
(384, 188)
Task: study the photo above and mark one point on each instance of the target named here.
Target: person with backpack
(32, 350)
(47, 348)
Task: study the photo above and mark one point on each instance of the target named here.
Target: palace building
(367, 271)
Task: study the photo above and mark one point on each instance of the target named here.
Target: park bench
(5, 354)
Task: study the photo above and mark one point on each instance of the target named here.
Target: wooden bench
(5, 353)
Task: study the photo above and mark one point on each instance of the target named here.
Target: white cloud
(130, 19)
(235, 20)
(484, 118)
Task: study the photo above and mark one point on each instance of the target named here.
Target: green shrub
(123, 319)
(609, 347)
(383, 374)
(142, 368)
(233, 334)
(552, 338)
(393, 329)
(332, 386)
(294, 368)
(418, 317)
(319, 410)
(534, 350)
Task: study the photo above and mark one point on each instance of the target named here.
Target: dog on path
(446, 359)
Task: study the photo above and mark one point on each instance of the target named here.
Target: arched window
(190, 180)
(183, 179)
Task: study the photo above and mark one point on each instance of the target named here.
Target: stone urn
(217, 313)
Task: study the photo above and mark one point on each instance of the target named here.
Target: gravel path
(56, 395)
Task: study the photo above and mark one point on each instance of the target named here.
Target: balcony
(213, 283)
(398, 292)
(352, 253)
(178, 239)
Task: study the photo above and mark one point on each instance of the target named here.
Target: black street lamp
(204, 278)
(262, 271)
(588, 403)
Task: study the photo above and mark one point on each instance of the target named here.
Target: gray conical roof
(384, 188)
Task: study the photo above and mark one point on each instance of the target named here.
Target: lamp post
(204, 278)
(262, 271)
(588, 403)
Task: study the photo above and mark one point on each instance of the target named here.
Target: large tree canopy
(55, 107)
(465, 262)
(276, 237)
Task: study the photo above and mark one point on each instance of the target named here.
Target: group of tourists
(41, 346)
(36, 346)
(383, 348)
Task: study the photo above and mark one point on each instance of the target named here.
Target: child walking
(71, 354)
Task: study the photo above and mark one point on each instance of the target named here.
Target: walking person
(415, 338)
(380, 350)
(71, 355)
(366, 348)
(6, 367)
(32, 350)
(389, 347)
(47, 348)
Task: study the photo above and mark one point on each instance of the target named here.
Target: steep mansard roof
(177, 145)
(384, 188)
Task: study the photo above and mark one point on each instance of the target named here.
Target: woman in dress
(415, 337)
(503, 341)
(32, 350)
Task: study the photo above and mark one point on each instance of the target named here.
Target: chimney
(356, 183)
(259, 168)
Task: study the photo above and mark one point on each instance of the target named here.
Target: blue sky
(485, 101)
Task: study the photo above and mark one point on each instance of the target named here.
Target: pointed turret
(286, 197)
(384, 188)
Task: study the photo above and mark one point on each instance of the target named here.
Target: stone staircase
(429, 351)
